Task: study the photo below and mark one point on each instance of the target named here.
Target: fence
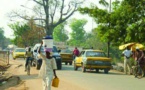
(4, 56)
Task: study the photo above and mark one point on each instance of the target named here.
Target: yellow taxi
(66, 56)
(93, 59)
(19, 53)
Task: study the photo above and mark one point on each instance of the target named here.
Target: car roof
(19, 48)
(93, 50)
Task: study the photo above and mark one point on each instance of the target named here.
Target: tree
(3, 40)
(35, 33)
(124, 24)
(77, 36)
(54, 12)
(60, 34)
(26, 33)
(20, 32)
(1, 37)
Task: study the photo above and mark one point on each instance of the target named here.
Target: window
(20, 50)
(95, 54)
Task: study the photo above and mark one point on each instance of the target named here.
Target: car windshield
(54, 49)
(20, 50)
(66, 51)
(95, 54)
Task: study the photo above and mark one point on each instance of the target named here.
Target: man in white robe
(47, 69)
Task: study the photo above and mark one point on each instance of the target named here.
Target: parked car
(19, 53)
(38, 61)
(93, 59)
(66, 56)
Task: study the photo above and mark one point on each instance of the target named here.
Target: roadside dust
(8, 81)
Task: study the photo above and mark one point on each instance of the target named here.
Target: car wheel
(97, 70)
(38, 64)
(75, 67)
(58, 62)
(65, 63)
(70, 63)
(106, 71)
(83, 68)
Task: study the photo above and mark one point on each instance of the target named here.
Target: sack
(55, 82)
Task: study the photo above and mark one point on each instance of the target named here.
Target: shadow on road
(26, 77)
(71, 68)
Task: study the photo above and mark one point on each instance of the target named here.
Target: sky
(6, 6)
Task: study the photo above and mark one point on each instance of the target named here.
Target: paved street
(76, 80)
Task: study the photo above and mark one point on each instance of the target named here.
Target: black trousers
(27, 61)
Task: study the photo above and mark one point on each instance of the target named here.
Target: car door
(80, 57)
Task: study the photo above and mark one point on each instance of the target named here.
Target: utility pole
(108, 43)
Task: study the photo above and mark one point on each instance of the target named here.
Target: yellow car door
(79, 59)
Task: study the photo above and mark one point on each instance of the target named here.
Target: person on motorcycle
(139, 58)
(29, 56)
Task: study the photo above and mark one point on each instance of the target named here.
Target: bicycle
(138, 71)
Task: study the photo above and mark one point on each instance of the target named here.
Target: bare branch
(37, 2)
(61, 11)
(53, 14)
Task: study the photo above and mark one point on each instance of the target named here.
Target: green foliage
(1, 34)
(3, 40)
(60, 34)
(124, 24)
(20, 32)
(77, 36)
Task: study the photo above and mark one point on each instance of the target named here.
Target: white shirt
(48, 65)
(127, 53)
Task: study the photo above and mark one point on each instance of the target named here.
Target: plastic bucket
(55, 82)
(48, 43)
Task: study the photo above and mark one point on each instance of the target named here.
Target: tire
(70, 63)
(142, 74)
(58, 62)
(97, 70)
(83, 68)
(106, 71)
(38, 64)
(28, 69)
(75, 67)
(65, 63)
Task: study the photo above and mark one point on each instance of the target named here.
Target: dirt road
(33, 82)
